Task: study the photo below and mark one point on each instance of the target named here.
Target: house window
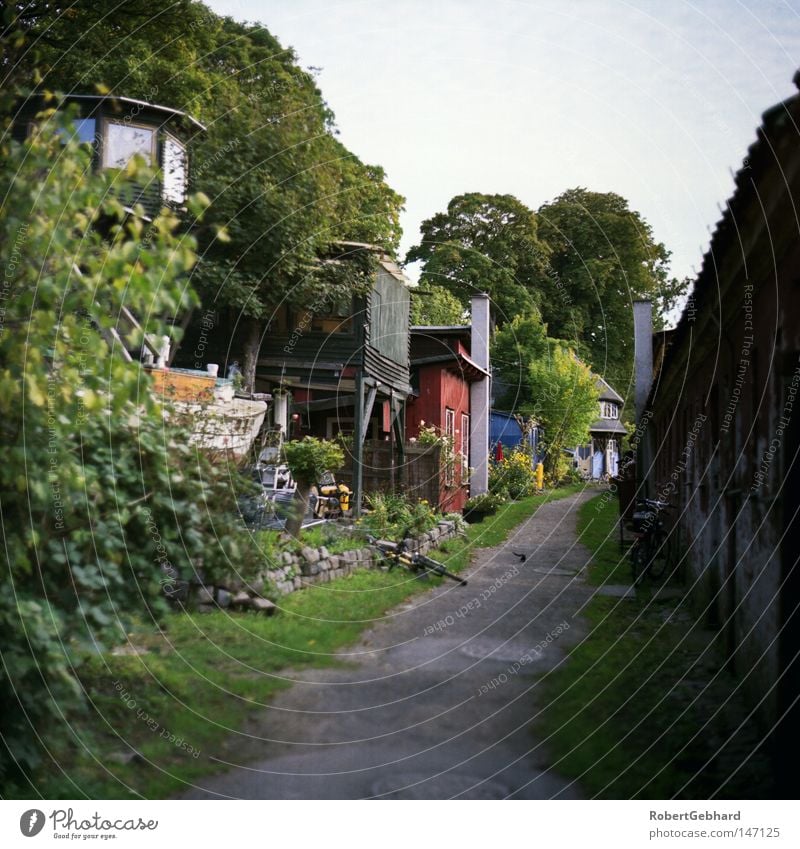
(123, 141)
(609, 410)
(84, 131)
(450, 433)
(174, 168)
(338, 318)
(464, 447)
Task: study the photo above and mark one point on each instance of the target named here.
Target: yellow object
(539, 476)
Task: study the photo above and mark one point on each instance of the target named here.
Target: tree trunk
(299, 508)
(251, 347)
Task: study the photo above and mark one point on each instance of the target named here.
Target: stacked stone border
(297, 570)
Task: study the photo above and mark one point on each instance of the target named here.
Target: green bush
(488, 502)
(392, 516)
(513, 476)
(103, 504)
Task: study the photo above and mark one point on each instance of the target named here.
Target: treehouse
(118, 128)
(344, 367)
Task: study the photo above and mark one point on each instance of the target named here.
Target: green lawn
(177, 703)
(637, 712)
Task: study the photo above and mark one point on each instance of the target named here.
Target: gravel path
(436, 701)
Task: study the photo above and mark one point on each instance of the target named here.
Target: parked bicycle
(653, 550)
(396, 554)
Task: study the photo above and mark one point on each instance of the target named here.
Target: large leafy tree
(280, 182)
(435, 305)
(515, 346)
(484, 243)
(603, 256)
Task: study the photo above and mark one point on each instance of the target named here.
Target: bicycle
(652, 552)
(396, 555)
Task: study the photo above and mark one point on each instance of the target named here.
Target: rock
(298, 582)
(311, 555)
(288, 558)
(263, 605)
(315, 568)
(204, 595)
(334, 560)
(324, 553)
(241, 599)
(206, 608)
(223, 598)
(324, 565)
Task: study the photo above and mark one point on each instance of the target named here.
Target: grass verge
(159, 719)
(642, 708)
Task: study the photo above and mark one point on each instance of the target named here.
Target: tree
(435, 305)
(308, 459)
(563, 400)
(515, 346)
(603, 257)
(281, 185)
(103, 505)
(484, 243)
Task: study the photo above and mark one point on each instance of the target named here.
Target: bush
(103, 505)
(513, 476)
(395, 516)
(488, 502)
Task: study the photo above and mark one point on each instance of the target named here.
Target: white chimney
(479, 397)
(642, 354)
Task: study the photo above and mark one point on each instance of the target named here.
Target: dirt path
(436, 701)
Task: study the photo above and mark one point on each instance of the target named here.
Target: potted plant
(480, 506)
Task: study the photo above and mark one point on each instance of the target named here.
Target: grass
(641, 708)
(179, 704)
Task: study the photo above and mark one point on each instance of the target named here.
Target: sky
(657, 101)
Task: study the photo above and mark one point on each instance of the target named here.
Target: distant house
(720, 432)
(343, 368)
(599, 458)
(117, 128)
(505, 431)
(442, 374)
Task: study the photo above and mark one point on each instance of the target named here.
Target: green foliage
(435, 305)
(284, 188)
(514, 347)
(309, 458)
(580, 260)
(513, 476)
(102, 504)
(484, 243)
(564, 400)
(392, 516)
(604, 256)
(487, 502)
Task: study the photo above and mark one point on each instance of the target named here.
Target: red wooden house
(442, 374)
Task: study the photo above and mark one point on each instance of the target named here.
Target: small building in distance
(599, 458)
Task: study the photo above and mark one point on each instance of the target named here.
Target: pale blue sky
(654, 100)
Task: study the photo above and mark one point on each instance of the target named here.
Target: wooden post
(358, 443)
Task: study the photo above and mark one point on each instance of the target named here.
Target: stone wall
(308, 567)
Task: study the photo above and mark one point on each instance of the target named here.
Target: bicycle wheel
(659, 559)
(640, 557)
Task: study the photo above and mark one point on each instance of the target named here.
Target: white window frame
(450, 433)
(464, 447)
(130, 125)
